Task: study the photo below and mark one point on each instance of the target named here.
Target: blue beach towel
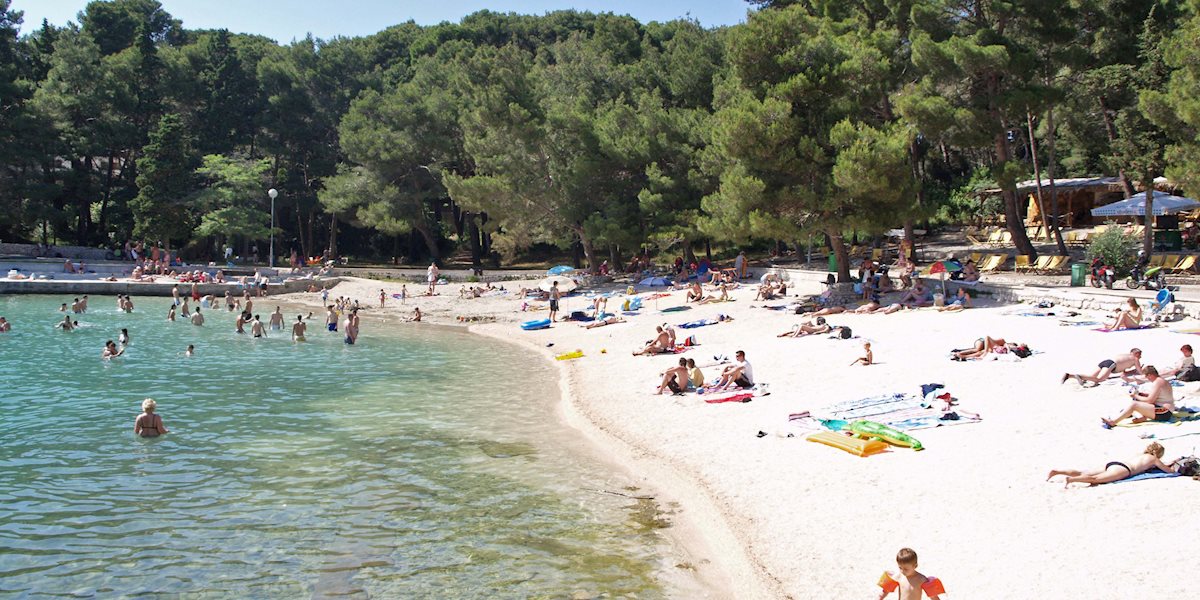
(1155, 474)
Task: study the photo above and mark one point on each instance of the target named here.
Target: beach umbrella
(655, 281)
(560, 269)
(1135, 206)
(942, 267)
(565, 284)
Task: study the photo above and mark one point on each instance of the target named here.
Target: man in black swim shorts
(1126, 365)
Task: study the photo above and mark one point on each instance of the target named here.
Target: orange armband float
(888, 584)
(933, 586)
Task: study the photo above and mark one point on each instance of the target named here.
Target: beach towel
(1146, 326)
(1155, 474)
(676, 309)
(1182, 415)
(866, 408)
(700, 323)
(742, 397)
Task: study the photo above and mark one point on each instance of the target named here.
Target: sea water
(419, 463)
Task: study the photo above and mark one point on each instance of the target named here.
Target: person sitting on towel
(676, 378)
(739, 373)
(661, 343)
(1157, 403)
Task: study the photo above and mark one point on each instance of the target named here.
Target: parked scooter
(1152, 279)
(1102, 274)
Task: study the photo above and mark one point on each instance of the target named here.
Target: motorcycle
(1102, 274)
(1152, 279)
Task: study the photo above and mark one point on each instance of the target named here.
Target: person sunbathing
(829, 310)
(1127, 365)
(969, 271)
(804, 329)
(982, 347)
(676, 379)
(1157, 403)
(960, 301)
(609, 320)
(695, 292)
(919, 295)
(660, 344)
(1129, 318)
(724, 297)
(1150, 458)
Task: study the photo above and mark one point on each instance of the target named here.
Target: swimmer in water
(5, 326)
(149, 424)
(191, 350)
(66, 324)
(111, 350)
(277, 319)
(240, 323)
(257, 329)
(331, 319)
(123, 339)
(197, 318)
(171, 314)
(298, 329)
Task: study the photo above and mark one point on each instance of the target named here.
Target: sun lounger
(1042, 263)
(1185, 266)
(1057, 264)
(1170, 261)
(1023, 263)
(975, 257)
(994, 262)
(1156, 260)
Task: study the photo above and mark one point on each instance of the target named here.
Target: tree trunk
(107, 193)
(333, 223)
(1148, 235)
(1037, 173)
(1111, 131)
(430, 241)
(614, 258)
(708, 250)
(1051, 135)
(473, 239)
(910, 235)
(1012, 213)
(300, 234)
(589, 249)
(689, 254)
(841, 254)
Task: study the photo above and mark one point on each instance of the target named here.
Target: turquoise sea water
(419, 463)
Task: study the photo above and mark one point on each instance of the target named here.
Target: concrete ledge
(111, 288)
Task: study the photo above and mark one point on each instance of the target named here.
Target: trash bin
(1079, 272)
(832, 263)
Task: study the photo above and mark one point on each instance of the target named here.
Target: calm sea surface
(417, 464)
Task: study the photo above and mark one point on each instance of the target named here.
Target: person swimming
(149, 424)
(298, 329)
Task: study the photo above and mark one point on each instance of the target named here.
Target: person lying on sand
(661, 343)
(982, 347)
(960, 301)
(829, 310)
(804, 329)
(1128, 318)
(609, 320)
(1156, 403)
(1116, 470)
(1128, 365)
(675, 378)
(724, 297)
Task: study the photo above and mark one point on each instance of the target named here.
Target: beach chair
(994, 237)
(975, 241)
(1023, 263)
(1043, 263)
(1185, 266)
(1082, 237)
(1005, 237)
(1156, 260)
(975, 257)
(877, 254)
(1170, 261)
(994, 262)
(1058, 264)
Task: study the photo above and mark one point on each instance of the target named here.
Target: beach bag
(1022, 351)
(1188, 466)
(845, 333)
(1189, 374)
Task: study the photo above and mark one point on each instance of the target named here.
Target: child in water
(911, 584)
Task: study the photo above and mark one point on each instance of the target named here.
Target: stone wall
(55, 251)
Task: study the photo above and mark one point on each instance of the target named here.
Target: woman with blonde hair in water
(149, 424)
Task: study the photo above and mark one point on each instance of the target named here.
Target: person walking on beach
(403, 293)
(331, 319)
(277, 319)
(431, 275)
(1126, 365)
(910, 584)
(554, 297)
(149, 424)
(1156, 403)
(382, 297)
(197, 318)
(298, 329)
(1150, 458)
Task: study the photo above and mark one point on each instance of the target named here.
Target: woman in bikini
(149, 424)
(1129, 318)
(983, 346)
(1116, 470)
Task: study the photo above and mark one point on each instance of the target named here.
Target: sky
(284, 20)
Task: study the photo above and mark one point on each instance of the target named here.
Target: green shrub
(1115, 248)
(472, 279)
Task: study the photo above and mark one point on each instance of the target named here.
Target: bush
(1116, 248)
(472, 279)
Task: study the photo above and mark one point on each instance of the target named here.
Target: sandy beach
(775, 516)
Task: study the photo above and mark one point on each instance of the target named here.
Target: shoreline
(717, 558)
(734, 570)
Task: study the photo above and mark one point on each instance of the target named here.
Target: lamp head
(272, 193)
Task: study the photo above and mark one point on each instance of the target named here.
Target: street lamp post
(272, 193)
